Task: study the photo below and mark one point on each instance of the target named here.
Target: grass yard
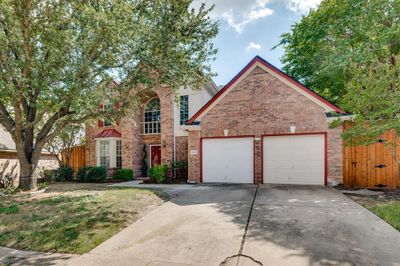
(71, 218)
(387, 209)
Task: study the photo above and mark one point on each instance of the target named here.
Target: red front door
(155, 152)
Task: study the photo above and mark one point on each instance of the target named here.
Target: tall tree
(57, 56)
(324, 48)
(348, 51)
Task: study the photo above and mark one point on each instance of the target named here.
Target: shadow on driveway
(302, 225)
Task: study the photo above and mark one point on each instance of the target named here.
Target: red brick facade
(133, 139)
(261, 104)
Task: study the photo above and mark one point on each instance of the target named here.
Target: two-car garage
(265, 127)
(286, 159)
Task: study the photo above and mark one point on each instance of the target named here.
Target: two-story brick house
(262, 127)
(154, 134)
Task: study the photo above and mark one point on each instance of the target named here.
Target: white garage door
(228, 160)
(294, 159)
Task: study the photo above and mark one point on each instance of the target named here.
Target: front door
(155, 155)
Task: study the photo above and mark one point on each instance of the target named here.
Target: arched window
(152, 117)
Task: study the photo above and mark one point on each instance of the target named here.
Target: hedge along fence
(371, 166)
(78, 158)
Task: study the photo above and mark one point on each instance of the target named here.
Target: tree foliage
(325, 48)
(61, 146)
(347, 50)
(57, 58)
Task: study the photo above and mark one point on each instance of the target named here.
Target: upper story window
(152, 117)
(107, 107)
(184, 109)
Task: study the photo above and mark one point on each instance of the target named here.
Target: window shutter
(117, 108)
(100, 122)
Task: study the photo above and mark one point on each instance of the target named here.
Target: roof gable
(260, 62)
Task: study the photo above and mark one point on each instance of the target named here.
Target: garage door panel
(228, 160)
(297, 159)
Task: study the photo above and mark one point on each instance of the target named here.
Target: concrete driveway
(210, 225)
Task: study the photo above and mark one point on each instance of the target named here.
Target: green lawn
(71, 218)
(390, 212)
(386, 209)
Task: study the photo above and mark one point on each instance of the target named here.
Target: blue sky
(252, 27)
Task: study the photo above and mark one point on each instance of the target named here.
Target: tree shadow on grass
(16, 257)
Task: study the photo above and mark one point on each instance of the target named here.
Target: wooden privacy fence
(77, 159)
(371, 166)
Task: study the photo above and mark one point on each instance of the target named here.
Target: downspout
(173, 134)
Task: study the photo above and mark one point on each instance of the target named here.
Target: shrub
(123, 174)
(179, 165)
(180, 168)
(158, 173)
(49, 175)
(81, 174)
(91, 174)
(64, 173)
(97, 174)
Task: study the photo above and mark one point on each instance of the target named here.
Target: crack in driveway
(240, 253)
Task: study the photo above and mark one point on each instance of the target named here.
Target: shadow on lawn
(73, 221)
(36, 259)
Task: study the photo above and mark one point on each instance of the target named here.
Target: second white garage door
(228, 160)
(294, 159)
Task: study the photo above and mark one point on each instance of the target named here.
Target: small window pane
(184, 109)
(119, 154)
(105, 153)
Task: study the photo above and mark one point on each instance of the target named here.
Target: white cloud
(302, 6)
(254, 46)
(260, 13)
(238, 13)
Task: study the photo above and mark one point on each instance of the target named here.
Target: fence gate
(371, 166)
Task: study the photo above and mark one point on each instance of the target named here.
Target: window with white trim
(152, 117)
(105, 153)
(118, 149)
(184, 109)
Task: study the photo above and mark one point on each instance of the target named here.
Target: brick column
(194, 156)
(167, 124)
(258, 160)
(335, 155)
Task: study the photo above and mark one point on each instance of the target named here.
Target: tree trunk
(28, 162)
(28, 176)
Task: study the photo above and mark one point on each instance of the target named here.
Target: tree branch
(5, 119)
(52, 120)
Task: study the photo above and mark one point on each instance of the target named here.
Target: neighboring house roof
(6, 141)
(108, 133)
(258, 61)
